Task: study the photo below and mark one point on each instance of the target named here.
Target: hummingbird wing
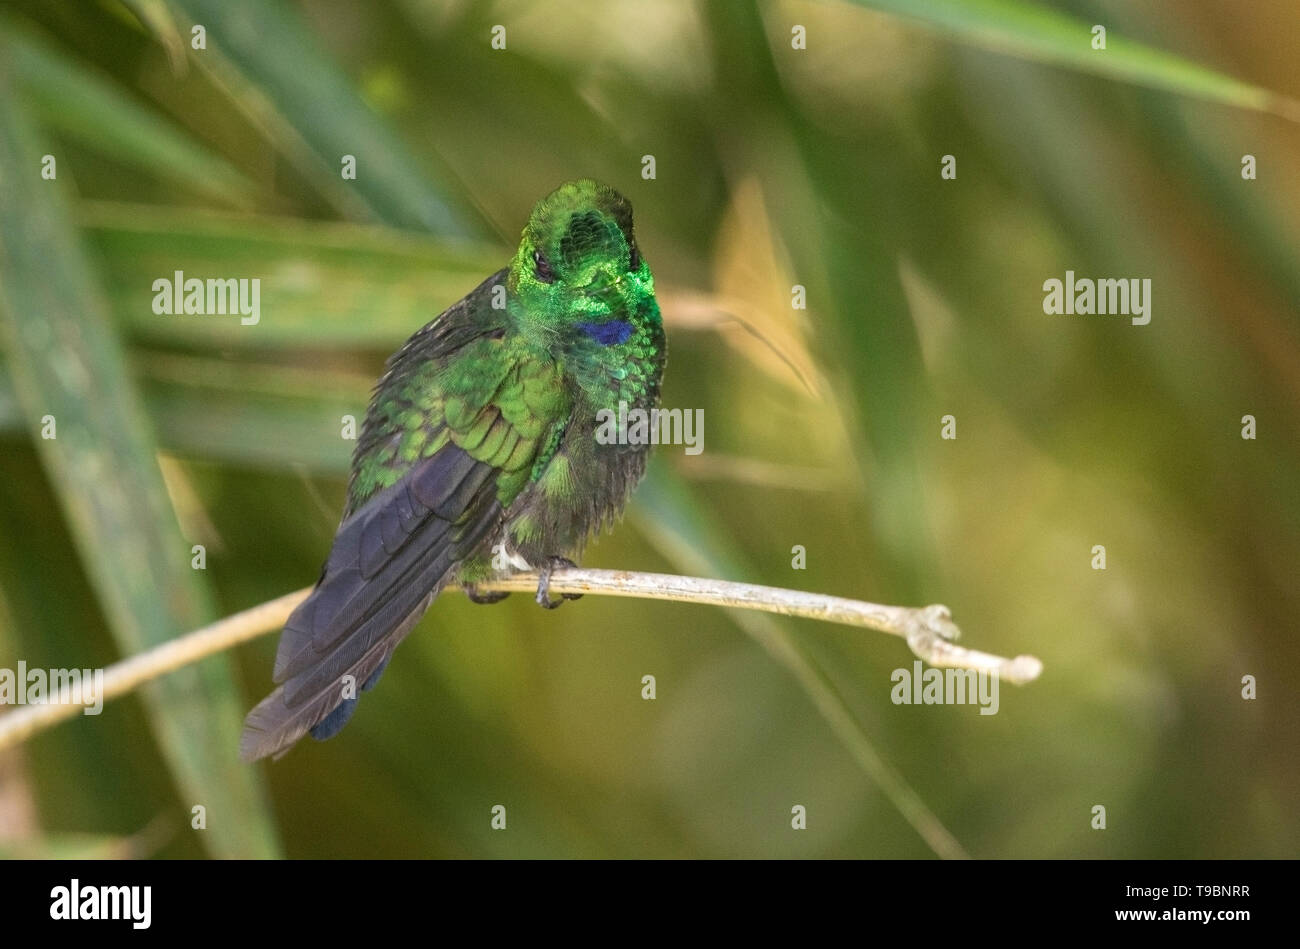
(409, 521)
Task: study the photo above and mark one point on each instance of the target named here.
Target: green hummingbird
(478, 453)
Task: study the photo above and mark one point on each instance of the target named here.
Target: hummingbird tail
(389, 560)
(274, 725)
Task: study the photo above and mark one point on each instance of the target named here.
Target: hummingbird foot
(544, 583)
(471, 591)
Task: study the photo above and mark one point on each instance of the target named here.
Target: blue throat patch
(608, 334)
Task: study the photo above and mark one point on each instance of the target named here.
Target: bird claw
(543, 597)
(495, 596)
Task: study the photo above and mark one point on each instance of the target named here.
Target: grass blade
(322, 285)
(157, 19)
(67, 365)
(1030, 31)
(74, 100)
(271, 48)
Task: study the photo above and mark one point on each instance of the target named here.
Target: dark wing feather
(389, 560)
(393, 552)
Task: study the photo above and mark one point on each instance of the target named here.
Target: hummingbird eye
(542, 268)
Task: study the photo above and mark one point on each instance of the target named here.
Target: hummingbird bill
(479, 449)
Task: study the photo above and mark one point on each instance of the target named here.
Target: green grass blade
(1030, 31)
(272, 49)
(155, 17)
(83, 106)
(66, 363)
(218, 410)
(269, 417)
(322, 285)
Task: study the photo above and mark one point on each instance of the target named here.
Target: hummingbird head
(578, 276)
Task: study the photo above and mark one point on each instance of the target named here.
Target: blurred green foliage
(775, 166)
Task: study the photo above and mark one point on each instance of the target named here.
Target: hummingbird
(478, 455)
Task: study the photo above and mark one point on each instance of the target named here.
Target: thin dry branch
(929, 631)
